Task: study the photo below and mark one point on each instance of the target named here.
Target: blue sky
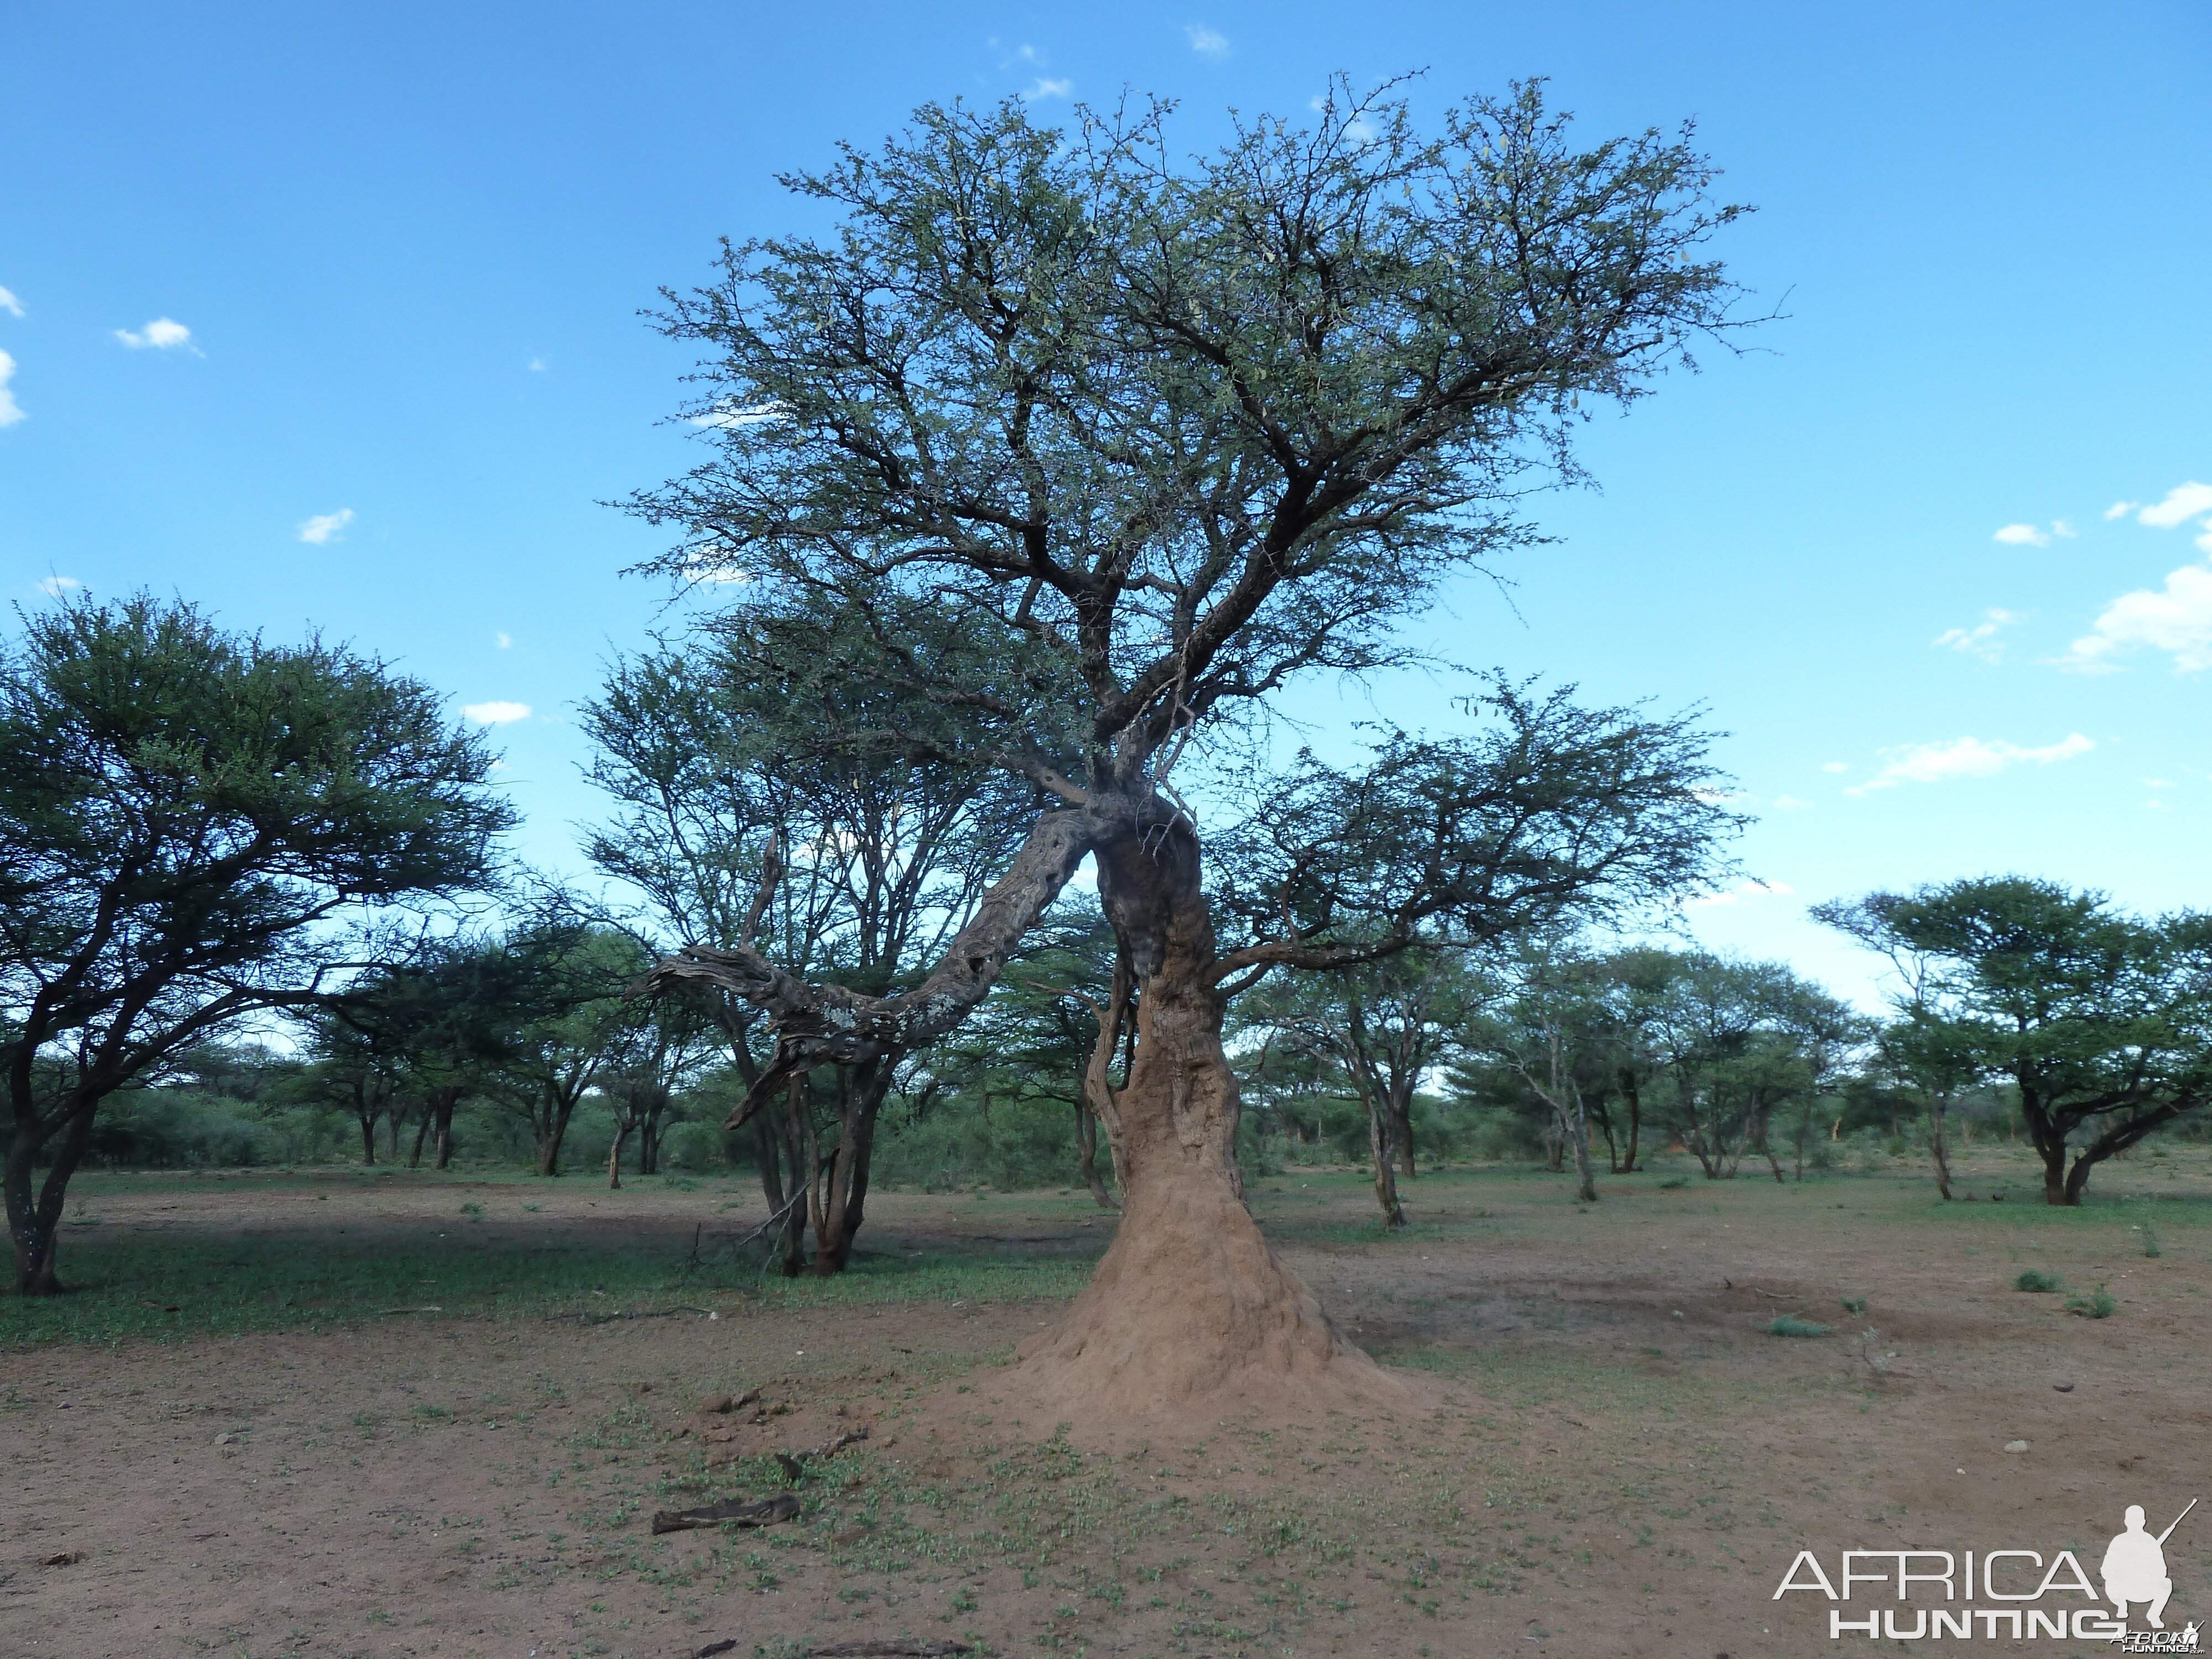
(326, 316)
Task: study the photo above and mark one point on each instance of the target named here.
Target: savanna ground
(343, 1413)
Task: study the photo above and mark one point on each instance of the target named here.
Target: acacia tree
(751, 804)
(1548, 1023)
(1383, 1025)
(2100, 1020)
(191, 822)
(1080, 454)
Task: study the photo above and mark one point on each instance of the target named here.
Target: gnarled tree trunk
(1188, 1303)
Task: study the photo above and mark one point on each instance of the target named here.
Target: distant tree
(1547, 1019)
(197, 828)
(1384, 1025)
(1738, 1042)
(2101, 1021)
(1072, 455)
(558, 1021)
(747, 795)
(348, 1069)
(659, 1047)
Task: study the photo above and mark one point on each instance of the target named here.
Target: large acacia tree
(1082, 453)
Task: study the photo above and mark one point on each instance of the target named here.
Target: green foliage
(2037, 1281)
(1791, 1325)
(1011, 1144)
(2093, 1304)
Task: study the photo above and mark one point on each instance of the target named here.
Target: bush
(1791, 1325)
(2032, 1280)
(2096, 1304)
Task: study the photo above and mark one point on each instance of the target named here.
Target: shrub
(2096, 1304)
(2032, 1280)
(1791, 1325)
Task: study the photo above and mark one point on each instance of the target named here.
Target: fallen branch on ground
(792, 1463)
(733, 1511)
(609, 1319)
(431, 1308)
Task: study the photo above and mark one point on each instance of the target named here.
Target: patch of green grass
(1854, 1304)
(223, 1285)
(2093, 1304)
(2033, 1280)
(1791, 1325)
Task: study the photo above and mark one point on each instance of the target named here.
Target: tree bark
(614, 1157)
(1401, 1125)
(34, 1215)
(860, 1093)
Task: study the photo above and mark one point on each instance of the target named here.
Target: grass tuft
(2033, 1280)
(2094, 1304)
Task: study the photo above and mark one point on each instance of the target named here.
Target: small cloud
(503, 640)
(1747, 889)
(1049, 86)
(2176, 619)
(325, 527)
(54, 586)
(497, 713)
(10, 410)
(536, 365)
(1981, 640)
(10, 304)
(2158, 783)
(1207, 43)
(2182, 502)
(2120, 510)
(1790, 803)
(2022, 535)
(1835, 766)
(1964, 757)
(2062, 527)
(162, 334)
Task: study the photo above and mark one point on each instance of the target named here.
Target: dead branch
(730, 1511)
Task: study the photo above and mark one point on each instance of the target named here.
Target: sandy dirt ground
(1617, 1457)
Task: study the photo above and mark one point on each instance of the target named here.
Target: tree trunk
(368, 1138)
(861, 1098)
(1189, 1304)
(648, 1145)
(1087, 1146)
(1635, 1119)
(614, 1156)
(1401, 1128)
(444, 1141)
(1936, 1105)
(1380, 1149)
(34, 1217)
(1586, 1182)
(421, 1134)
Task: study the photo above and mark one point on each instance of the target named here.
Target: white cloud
(2021, 535)
(1963, 757)
(2064, 528)
(1048, 86)
(1981, 640)
(1746, 889)
(1835, 766)
(1791, 803)
(497, 713)
(502, 640)
(162, 334)
(536, 365)
(2120, 510)
(2176, 619)
(1207, 43)
(10, 410)
(325, 527)
(2182, 502)
(10, 304)
(54, 586)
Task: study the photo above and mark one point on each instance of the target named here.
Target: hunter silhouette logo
(2023, 1596)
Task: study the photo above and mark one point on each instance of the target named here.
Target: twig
(609, 1319)
(431, 1308)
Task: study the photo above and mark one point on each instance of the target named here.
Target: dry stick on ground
(793, 1463)
(609, 1319)
(767, 1513)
